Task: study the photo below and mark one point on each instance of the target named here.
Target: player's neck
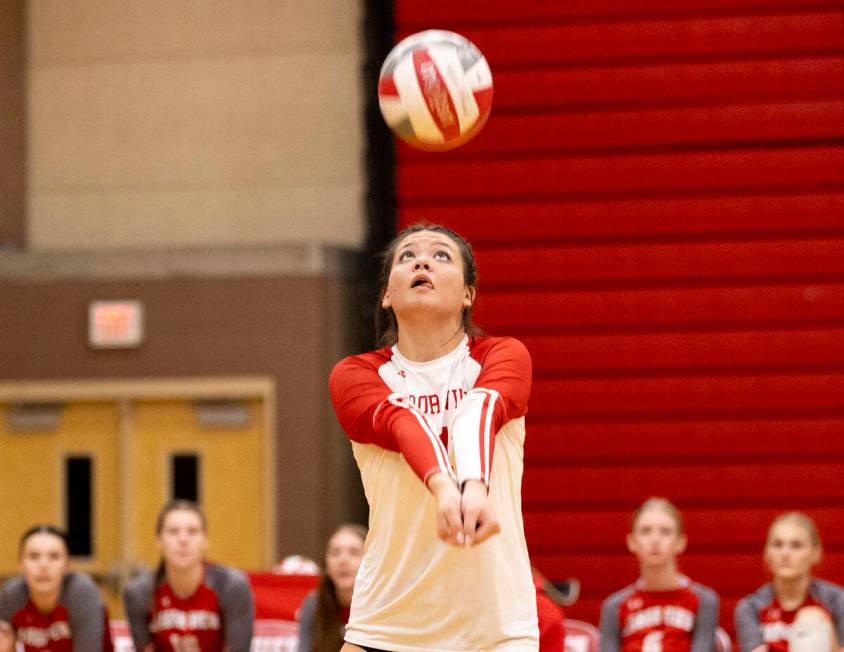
(185, 581)
(423, 342)
(660, 578)
(791, 592)
(45, 602)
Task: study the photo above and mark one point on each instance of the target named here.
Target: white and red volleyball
(435, 90)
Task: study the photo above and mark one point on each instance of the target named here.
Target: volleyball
(435, 90)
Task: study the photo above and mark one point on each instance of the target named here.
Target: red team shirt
(681, 620)
(36, 631)
(552, 632)
(776, 623)
(217, 617)
(39, 631)
(761, 621)
(193, 621)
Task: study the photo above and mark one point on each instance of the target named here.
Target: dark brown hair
(177, 506)
(43, 528)
(328, 627)
(386, 326)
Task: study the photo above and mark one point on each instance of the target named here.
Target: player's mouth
(422, 280)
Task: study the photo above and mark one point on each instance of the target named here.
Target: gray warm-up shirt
(79, 615)
(681, 619)
(760, 620)
(305, 616)
(219, 615)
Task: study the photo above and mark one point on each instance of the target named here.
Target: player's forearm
(473, 433)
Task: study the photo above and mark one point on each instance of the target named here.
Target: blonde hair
(662, 504)
(798, 518)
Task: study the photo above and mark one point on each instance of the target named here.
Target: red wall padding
(657, 206)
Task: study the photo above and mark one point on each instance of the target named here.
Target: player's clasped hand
(463, 519)
(479, 519)
(449, 520)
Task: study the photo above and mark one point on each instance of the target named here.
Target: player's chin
(344, 580)
(45, 585)
(184, 562)
(789, 573)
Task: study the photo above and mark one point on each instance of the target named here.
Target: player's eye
(407, 254)
(442, 254)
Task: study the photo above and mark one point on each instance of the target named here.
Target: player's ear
(469, 296)
(682, 542)
(631, 543)
(385, 300)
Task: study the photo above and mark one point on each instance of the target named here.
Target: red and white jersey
(39, 631)
(680, 620)
(761, 621)
(408, 420)
(79, 620)
(174, 621)
(775, 622)
(217, 617)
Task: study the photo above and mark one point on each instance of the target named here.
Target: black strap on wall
(380, 160)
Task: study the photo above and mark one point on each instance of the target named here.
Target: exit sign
(115, 324)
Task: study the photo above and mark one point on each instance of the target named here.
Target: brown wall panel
(12, 123)
(287, 328)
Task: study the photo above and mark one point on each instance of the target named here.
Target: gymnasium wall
(193, 123)
(283, 318)
(12, 118)
(657, 204)
(204, 157)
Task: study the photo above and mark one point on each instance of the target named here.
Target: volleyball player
(663, 611)
(795, 612)
(47, 606)
(436, 419)
(190, 604)
(325, 611)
